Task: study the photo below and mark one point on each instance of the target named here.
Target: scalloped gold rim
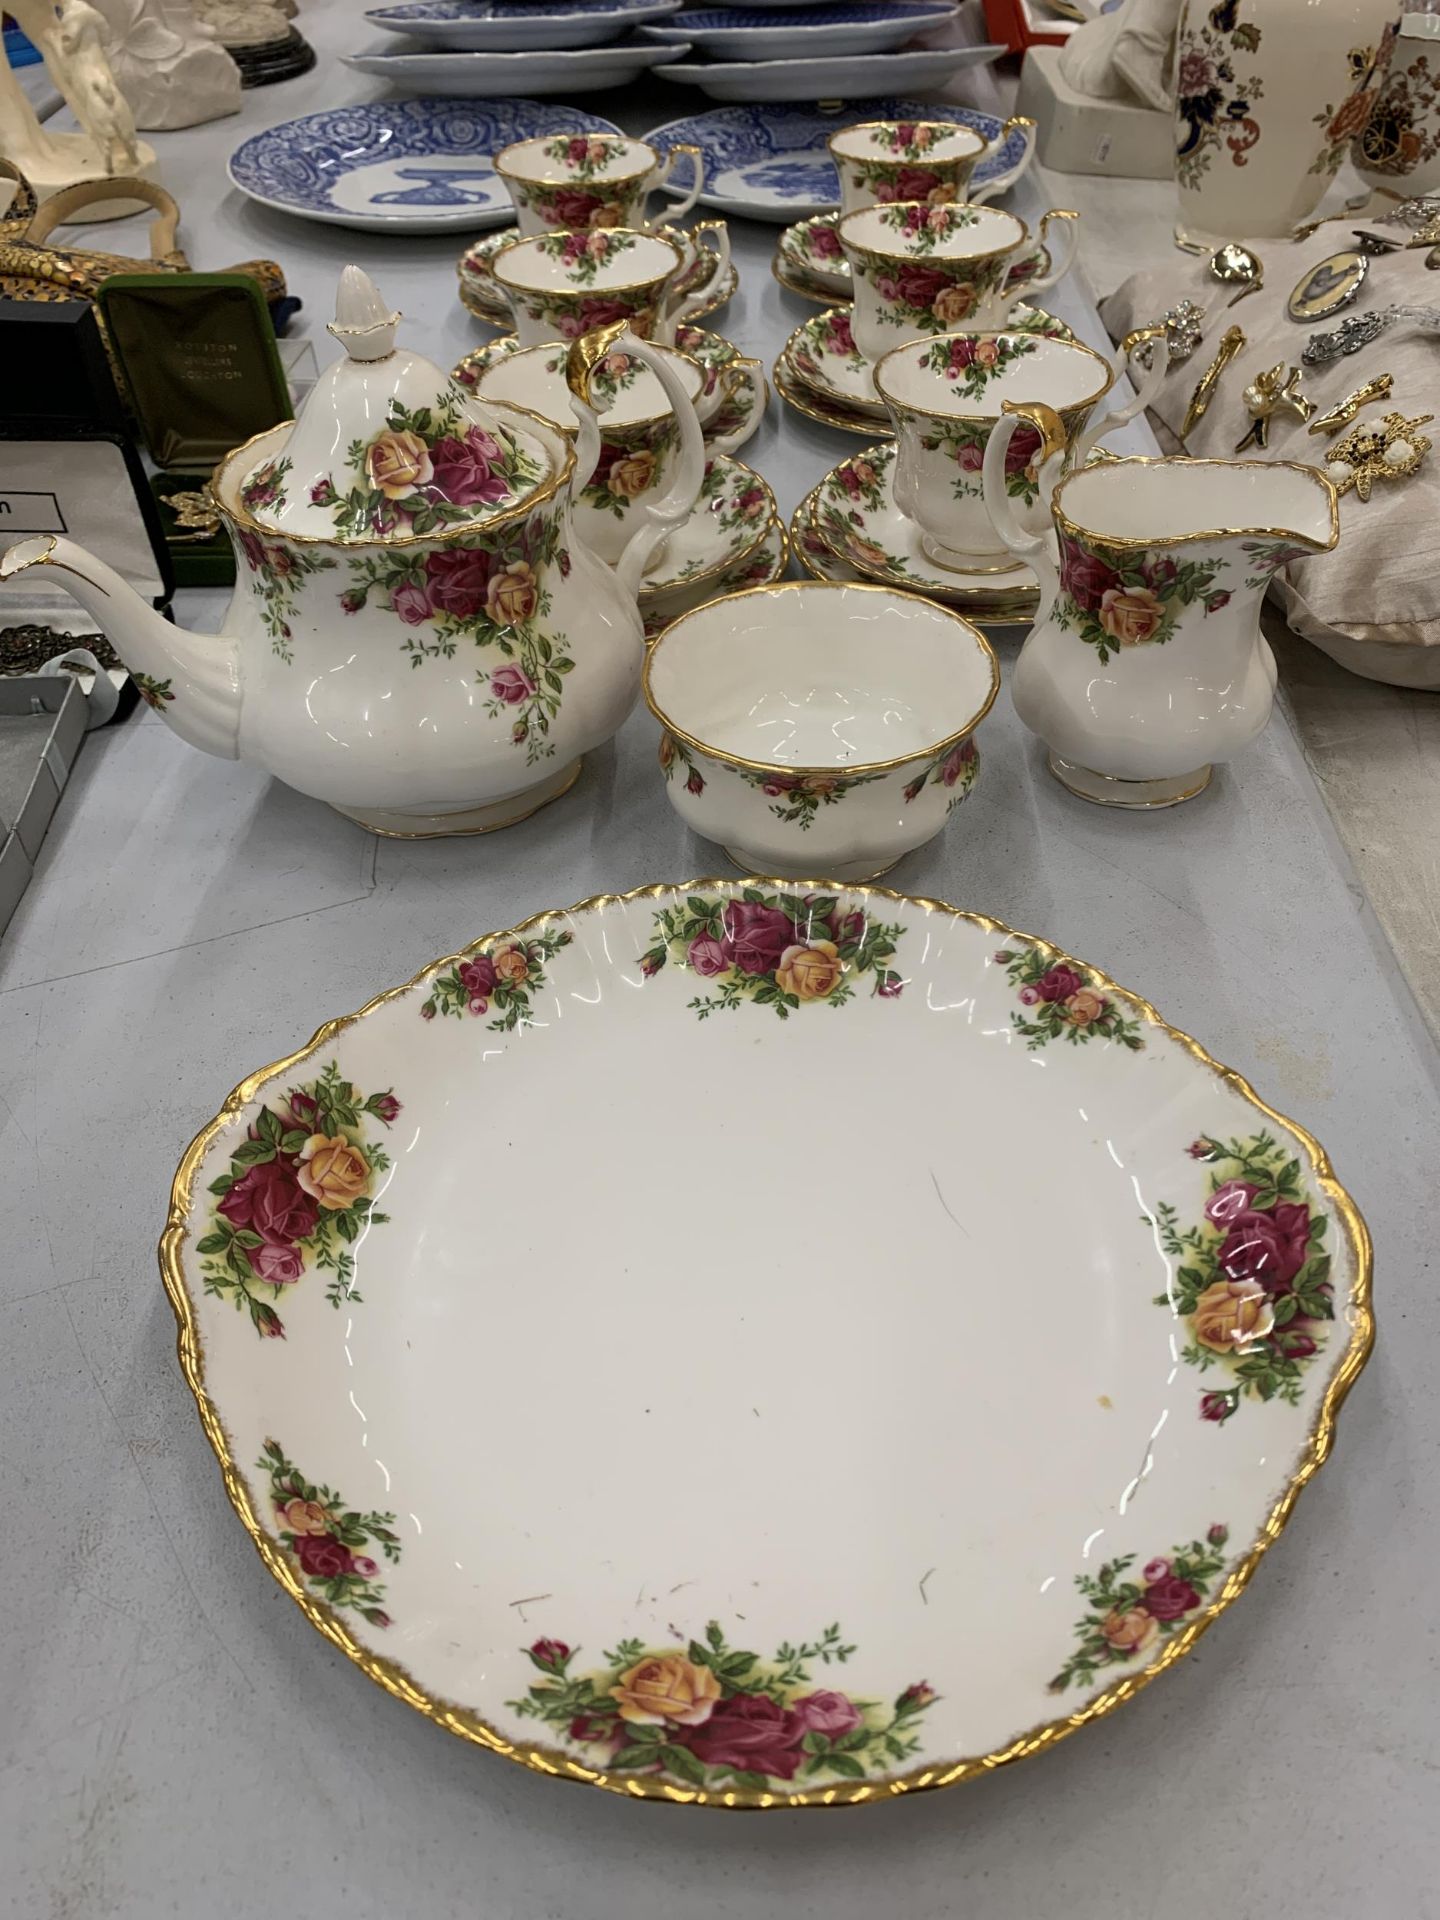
(560, 1765)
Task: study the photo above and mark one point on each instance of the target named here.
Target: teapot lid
(387, 446)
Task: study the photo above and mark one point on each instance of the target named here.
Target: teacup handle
(692, 302)
(731, 380)
(697, 167)
(1063, 253)
(1017, 123)
(1146, 390)
(1032, 548)
(659, 516)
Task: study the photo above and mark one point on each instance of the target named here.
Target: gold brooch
(1277, 390)
(1345, 410)
(1390, 451)
(1232, 343)
(194, 510)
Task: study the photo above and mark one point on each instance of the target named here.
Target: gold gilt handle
(587, 353)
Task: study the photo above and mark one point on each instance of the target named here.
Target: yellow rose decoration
(667, 1686)
(512, 594)
(304, 1516)
(333, 1171)
(1130, 1631)
(1083, 1007)
(1232, 1315)
(810, 972)
(510, 964)
(631, 476)
(953, 304)
(398, 463)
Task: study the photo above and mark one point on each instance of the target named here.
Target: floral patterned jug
(416, 636)
(1146, 664)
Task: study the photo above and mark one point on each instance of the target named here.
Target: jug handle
(1017, 123)
(1146, 391)
(1032, 548)
(676, 505)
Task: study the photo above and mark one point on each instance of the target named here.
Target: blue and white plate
(515, 26)
(397, 166)
(773, 164)
(748, 33)
(854, 76)
(497, 76)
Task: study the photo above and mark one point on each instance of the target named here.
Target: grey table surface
(176, 1740)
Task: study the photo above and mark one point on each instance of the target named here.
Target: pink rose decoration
(826, 1712)
(825, 243)
(276, 1262)
(411, 603)
(1227, 1203)
(1154, 1570)
(511, 685)
(707, 956)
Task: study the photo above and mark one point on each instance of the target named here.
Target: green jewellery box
(203, 374)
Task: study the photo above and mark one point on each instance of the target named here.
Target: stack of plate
(494, 49)
(812, 49)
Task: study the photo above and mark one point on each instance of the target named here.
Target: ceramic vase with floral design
(1399, 148)
(1269, 96)
(1145, 664)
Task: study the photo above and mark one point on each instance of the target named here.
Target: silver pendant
(1349, 337)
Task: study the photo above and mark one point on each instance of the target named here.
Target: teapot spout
(191, 679)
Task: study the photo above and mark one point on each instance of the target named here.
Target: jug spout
(191, 679)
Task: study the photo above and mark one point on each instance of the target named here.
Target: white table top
(176, 1740)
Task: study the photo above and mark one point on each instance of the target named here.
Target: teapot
(1146, 665)
(416, 635)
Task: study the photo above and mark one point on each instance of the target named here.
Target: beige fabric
(1373, 603)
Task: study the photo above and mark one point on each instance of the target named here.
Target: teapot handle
(1146, 390)
(1017, 123)
(1032, 548)
(659, 516)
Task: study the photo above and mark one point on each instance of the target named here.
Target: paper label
(26, 512)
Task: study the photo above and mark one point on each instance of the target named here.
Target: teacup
(819, 729)
(880, 161)
(561, 285)
(639, 431)
(945, 398)
(921, 270)
(571, 183)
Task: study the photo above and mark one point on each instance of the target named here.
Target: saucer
(397, 166)
(483, 26)
(985, 609)
(855, 514)
(852, 76)
(727, 429)
(828, 362)
(829, 413)
(482, 294)
(772, 163)
(822, 374)
(497, 76)
(727, 522)
(734, 33)
(765, 563)
(809, 262)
